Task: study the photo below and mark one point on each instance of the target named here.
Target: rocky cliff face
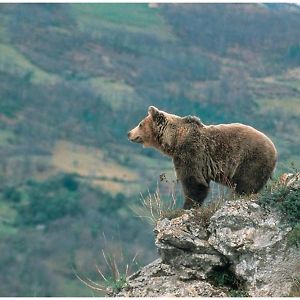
(241, 250)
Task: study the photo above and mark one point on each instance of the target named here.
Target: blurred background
(74, 78)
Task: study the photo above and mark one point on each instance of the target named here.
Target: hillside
(74, 78)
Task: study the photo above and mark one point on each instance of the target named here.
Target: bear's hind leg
(252, 178)
(194, 191)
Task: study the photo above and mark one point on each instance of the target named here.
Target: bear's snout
(134, 137)
(131, 135)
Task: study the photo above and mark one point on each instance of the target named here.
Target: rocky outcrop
(161, 279)
(255, 244)
(241, 250)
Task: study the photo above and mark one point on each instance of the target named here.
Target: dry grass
(154, 206)
(204, 213)
(115, 278)
(295, 290)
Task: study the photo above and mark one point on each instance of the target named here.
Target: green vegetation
(14, 62)
(294, 236)
(6, 137)
(287, 201)
(136, 15)
(39, 205)
(4, 19)
(118, 284)
(41, 224)
(223, 277)
(116, 20)
(114, 93)
(117, 270)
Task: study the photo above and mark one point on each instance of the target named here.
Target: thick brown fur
(234, 155)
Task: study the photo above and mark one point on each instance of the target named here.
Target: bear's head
(153, 130)
(163, 131)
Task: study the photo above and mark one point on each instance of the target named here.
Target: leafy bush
(11, 194)
(293, 54)
(294, 236)
(286, 200)
(109, 204)
(69, 182)
(224, 277)
(50, 200)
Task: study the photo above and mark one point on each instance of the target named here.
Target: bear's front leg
(194, 191)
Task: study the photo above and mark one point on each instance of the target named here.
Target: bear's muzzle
(137, 139)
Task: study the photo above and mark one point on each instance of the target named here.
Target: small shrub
(116, 284)
(224, 277)
(43, 208)
(205, 212)
(115, 281)
(117, 271)
(44, 202)
(12, 194)
(69, 182)
(294, 236)
(284, 199)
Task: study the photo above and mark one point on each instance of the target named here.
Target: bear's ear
(157, 115)
(153, 111)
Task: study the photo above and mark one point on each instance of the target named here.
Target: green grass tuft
(116, 284)
(286, 200)
(283, 198)
(294, 236)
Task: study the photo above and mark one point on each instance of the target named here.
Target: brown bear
(234, 155)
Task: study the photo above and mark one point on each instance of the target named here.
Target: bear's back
(242, 137)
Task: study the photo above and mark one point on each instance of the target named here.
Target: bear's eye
(140, 125)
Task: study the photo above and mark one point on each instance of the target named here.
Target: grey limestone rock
(159, 279)
(255, 243)
(241, 236)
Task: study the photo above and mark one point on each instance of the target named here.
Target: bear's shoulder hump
(193, 120)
